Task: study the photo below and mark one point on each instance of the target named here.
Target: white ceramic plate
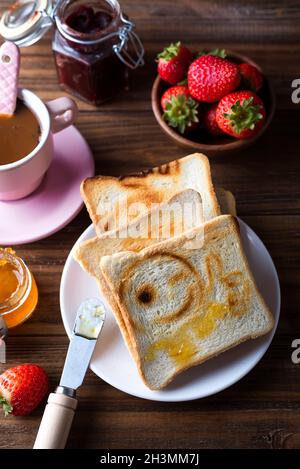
(112, 362)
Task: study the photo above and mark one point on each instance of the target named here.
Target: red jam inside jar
(88, 21)
(83, 46)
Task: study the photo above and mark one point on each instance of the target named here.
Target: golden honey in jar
(18, 290)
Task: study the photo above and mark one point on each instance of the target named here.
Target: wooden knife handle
(56, 422)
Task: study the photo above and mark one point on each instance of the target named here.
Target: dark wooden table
(263, 409)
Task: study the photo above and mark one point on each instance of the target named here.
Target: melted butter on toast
(181, 345)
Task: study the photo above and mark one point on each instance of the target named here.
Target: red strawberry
(174, 91)
(210, 122)
(22, 388)
(241, 114)
(180, 110)
(211, 77)
(173, 62)
(251, 76)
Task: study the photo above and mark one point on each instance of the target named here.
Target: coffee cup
(20, 178)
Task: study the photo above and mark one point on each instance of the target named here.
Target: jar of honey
(18, 290)
(94, 44)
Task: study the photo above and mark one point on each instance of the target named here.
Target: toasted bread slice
(187, 299)
(114, 202)
(89, 252)
(152, 228)
(226, 201)
(181, 213)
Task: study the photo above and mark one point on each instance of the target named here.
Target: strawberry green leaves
(216, 52)
(170, 52)
(181, 113)
(244, 115)
(7, 408)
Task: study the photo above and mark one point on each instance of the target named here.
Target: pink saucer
(57, 200)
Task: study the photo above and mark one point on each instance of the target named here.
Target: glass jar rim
(23, 289)
(26, 26)
(86, 38)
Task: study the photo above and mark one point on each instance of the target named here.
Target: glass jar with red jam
(94, 44)
(87, 46)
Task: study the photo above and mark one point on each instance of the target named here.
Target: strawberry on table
(241, 114)
(251, 76)
(22, 388)
(180, 110)
(173, 63)
(210, 121)
(211, 77)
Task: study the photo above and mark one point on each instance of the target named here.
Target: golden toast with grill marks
(114, 202)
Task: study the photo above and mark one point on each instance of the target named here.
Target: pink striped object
(9, 77)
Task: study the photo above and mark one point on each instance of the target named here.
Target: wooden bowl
(202, 142)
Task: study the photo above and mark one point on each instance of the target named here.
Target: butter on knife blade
(90, 318)
(88, 324)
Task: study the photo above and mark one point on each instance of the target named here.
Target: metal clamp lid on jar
(26, 21)
(126, 33)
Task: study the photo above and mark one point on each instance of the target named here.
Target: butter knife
(59, 412)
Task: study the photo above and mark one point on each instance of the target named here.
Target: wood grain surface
(263, 409)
